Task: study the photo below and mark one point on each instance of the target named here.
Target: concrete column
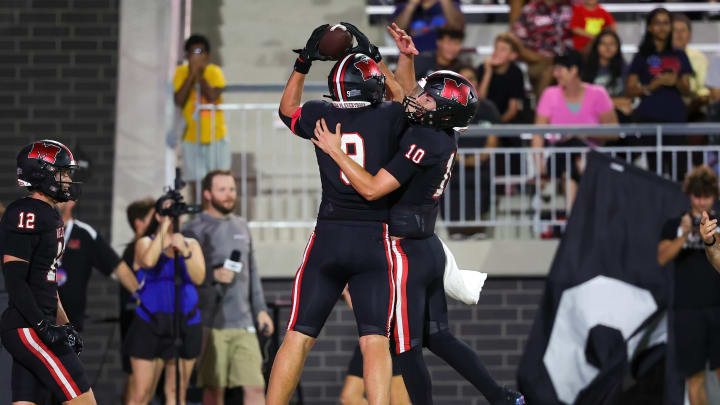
(146, 117)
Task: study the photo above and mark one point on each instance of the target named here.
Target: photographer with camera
(150, 342)
(695, 310)
(232, 300)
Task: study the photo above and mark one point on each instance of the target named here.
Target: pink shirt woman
(571, 102)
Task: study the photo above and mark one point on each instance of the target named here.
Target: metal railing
(494, 188)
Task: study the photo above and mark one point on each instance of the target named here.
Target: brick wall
(496, 328)
(58, 71)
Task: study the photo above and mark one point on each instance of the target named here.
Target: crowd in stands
(561, 62)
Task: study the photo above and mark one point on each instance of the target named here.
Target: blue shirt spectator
(658, 73)
(422, 19)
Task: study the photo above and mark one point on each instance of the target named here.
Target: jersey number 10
(354, 146)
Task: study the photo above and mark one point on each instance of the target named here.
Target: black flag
(606, 294)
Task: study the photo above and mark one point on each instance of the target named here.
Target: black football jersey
(422, 165)
(32, 230)
(370, 137)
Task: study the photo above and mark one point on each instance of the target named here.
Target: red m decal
(44, 152)
(369, 68)
(453, 91)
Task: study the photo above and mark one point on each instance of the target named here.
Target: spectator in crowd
(422, 19)
(605, 66)
(659, 74)
(236, 302)
(139, 215)
(212, 151)
(588, 20)
(572, 101)
(699, 94)
(85, 249)
(694, 315)
(445, 57)
(543, 30)
(502, 80)
(149, 341)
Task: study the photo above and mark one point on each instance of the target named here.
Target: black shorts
(144, 342)
(37, 370)
(126, 318)
(697, 339)
(421, 306)
(355, 367)
(356, 253)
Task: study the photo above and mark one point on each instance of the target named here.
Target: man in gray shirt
(230, 301)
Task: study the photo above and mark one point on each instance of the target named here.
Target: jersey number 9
(354, 146)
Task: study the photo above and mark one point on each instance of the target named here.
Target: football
(336, 42)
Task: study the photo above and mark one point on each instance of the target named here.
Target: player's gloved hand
(74, 339)
(363, 43)
(54, 336)
(311, 50)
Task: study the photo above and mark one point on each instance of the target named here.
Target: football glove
(311, 50)
(363, 43)
(74, 339)
(54, 336)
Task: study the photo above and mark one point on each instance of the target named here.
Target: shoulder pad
(28, 215)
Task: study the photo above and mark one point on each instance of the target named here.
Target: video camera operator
(695, 311)
(150, 343)
(232, 299)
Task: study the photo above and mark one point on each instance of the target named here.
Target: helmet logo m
(368, 68)
(452, 91)
(42, 151)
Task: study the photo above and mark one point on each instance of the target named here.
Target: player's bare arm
(369, 186)
(292, 95)
(405, 72)
(61, 317)
(708, 230)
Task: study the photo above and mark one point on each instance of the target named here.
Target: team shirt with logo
(664, 104)
(370, 137)
(32, 230)
(591, 21)
(423, 166)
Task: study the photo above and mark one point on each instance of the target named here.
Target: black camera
(178, 207)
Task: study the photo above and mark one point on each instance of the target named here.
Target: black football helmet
(38, 165)
(455, 97)
(356, 81)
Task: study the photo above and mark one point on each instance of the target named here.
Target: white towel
(462, 285)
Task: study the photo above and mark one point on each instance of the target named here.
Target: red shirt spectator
(544, 26)
(587, 22)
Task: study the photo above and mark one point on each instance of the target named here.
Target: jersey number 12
(354, 146)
